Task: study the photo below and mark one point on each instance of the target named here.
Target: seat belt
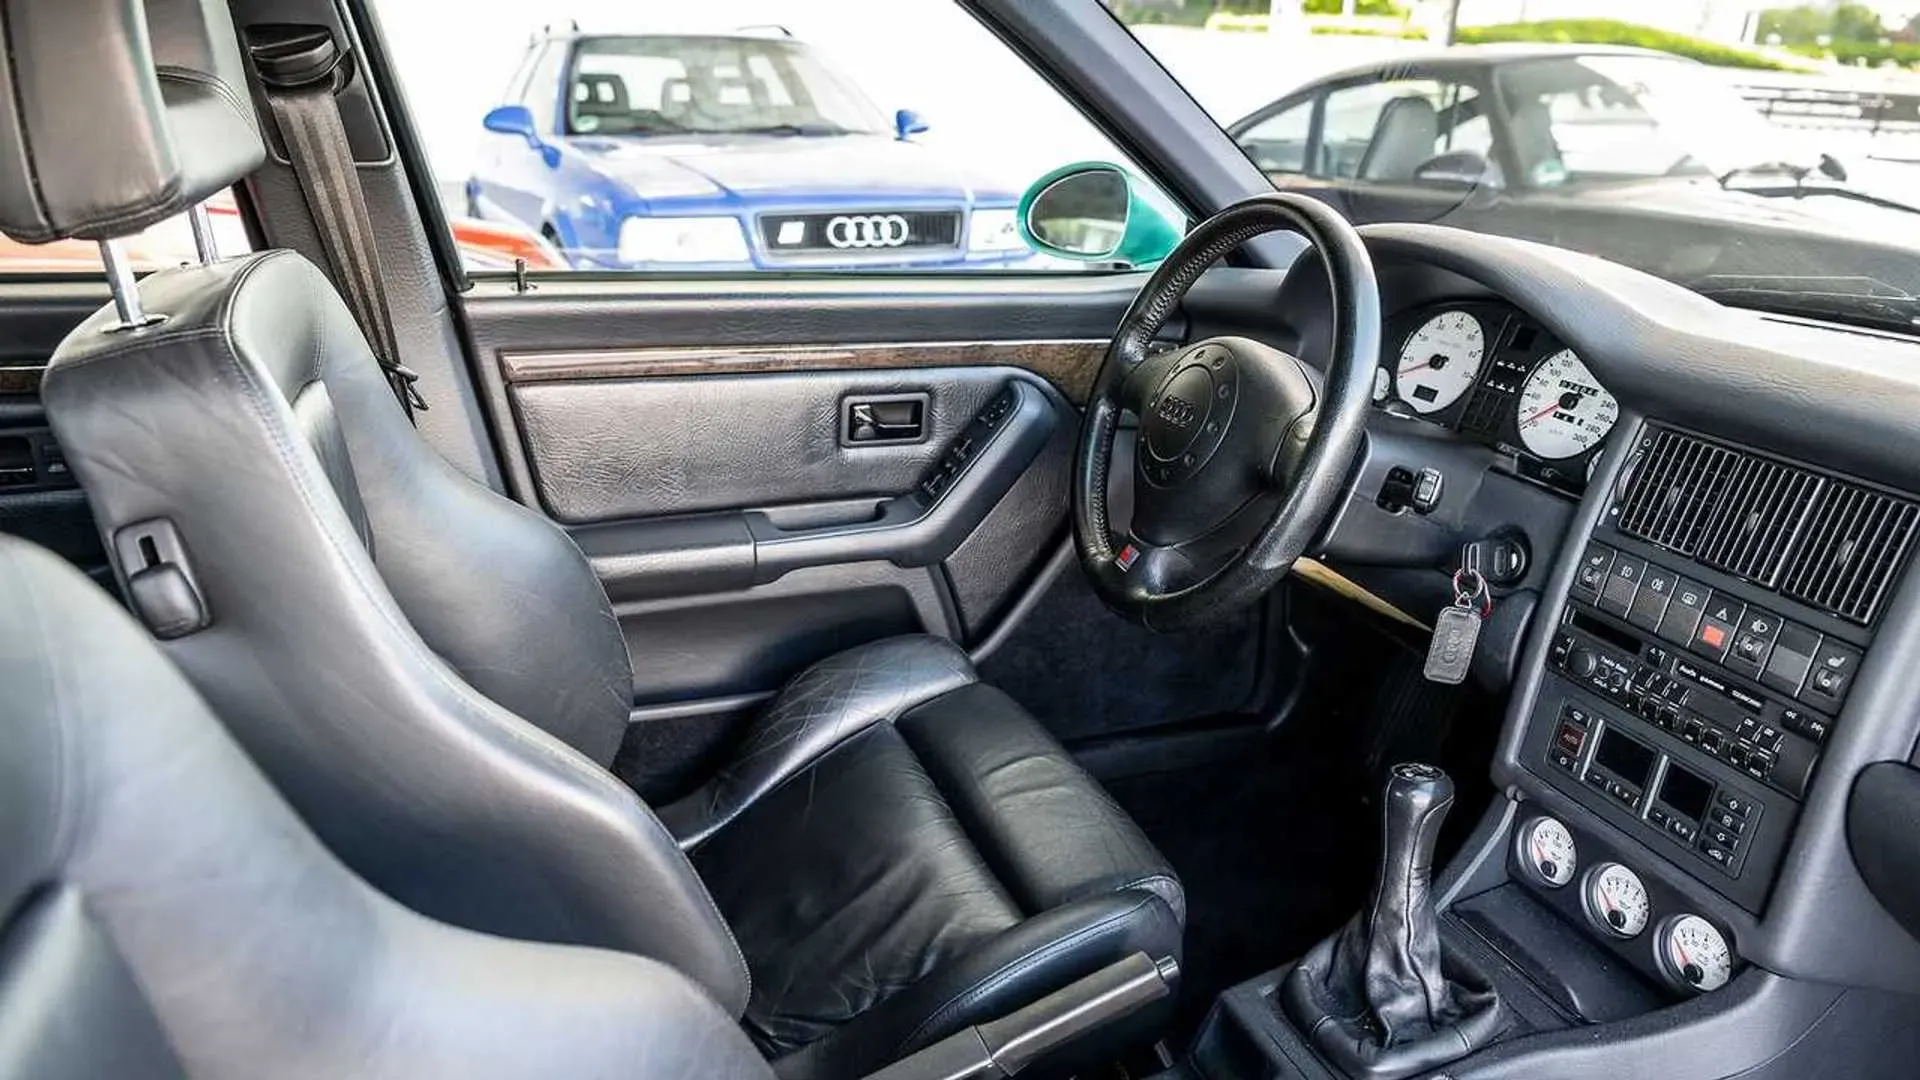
(297, 72)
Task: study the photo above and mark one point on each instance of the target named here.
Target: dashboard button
(1832, 675)
(1793, 653)
(1622, 584)
(1717, 627)
(1753, 642)
(1593, 572)
(1722, 818)
(1734, 801)
(1650, 603)
(1684, 608)
(1719, 855)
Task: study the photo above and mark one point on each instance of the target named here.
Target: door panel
(609, 449)
(38, 498)
(697, 446)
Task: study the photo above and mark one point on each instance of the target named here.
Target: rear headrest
(118, 114)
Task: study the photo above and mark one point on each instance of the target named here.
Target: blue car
(741, 151)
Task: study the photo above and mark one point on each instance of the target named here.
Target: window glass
(1279, 143)
(735, 135)
(1747, 156)
(162, 245)
(1404, 131)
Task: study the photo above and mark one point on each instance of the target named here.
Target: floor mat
(1085, 672)
(1274, 845)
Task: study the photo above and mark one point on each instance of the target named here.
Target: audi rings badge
(868, 231)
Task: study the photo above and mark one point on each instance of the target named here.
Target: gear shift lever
(1376, 998)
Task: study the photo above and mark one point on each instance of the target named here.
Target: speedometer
(1439, 361)
(1564, 412)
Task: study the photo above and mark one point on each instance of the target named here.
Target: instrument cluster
(1494, 375)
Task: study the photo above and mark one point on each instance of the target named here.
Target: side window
(1407, 131)
(1278, 144)
(819, 145)
(159, 246)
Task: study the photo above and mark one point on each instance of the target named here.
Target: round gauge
(1693, 954)
(1547, 852)
(1563, 411)
(1616, 900)
(1438, 363)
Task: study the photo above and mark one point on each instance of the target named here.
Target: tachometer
(1694, 955)
(1563, 411)
(1616, 900)
(1439, 361)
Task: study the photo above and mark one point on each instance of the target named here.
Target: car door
(767, 468)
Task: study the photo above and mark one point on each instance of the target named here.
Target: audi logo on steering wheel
(868, 231)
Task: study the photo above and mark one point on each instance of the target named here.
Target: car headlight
(994, 230)
(682, 240)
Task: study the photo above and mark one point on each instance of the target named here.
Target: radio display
(1625, 758)
(1685, 793)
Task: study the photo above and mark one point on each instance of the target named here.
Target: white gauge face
(1616, 900)
(1563, 411)
(1439, 362)
(1695, 955)
(1546, 849)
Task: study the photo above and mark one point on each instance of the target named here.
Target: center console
(1672, 737)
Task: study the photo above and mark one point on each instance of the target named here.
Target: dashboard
(1494, 375)
(1707, 664)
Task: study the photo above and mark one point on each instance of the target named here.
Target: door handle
(883, 421)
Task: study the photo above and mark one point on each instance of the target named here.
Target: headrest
(115, 114)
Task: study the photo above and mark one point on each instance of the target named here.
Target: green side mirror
(1094, 212)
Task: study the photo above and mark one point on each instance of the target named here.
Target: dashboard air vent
(1857, 541)
(1675, 489)
(1755, 519)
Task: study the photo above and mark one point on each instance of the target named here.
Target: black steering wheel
(1243, 452)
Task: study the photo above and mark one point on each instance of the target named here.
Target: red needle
(1542, 414)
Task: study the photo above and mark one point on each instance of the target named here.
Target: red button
(1713, 636)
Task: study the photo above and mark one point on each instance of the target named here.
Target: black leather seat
(164, 914)
(435, 679)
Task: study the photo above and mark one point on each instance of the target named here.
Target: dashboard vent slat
(1856, 546)
(1672, 496)
(1756, 520)
(1832, 544)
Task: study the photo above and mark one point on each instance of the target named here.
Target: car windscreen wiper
(802, 130)
(1863, 301)
(1827, 177)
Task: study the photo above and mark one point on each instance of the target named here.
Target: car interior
(1316, 651)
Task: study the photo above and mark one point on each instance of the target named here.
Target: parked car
(737, 151)
(1648, 158)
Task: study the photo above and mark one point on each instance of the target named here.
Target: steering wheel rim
(1314, 450)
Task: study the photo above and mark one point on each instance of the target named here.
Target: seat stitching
(1014, 968)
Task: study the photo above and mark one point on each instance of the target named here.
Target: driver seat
(434, 678)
